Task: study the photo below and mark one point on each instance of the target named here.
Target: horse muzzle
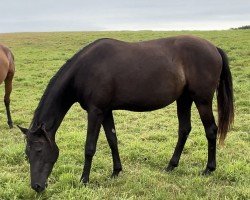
(39, 187)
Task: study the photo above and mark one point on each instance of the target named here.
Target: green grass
(146, 140)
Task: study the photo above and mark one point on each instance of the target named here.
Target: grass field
(146, 140)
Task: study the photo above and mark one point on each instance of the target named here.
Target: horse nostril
(37, 187)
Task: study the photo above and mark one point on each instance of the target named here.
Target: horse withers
(112, 75)
(7, 70)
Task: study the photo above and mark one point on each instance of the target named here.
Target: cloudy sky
(83, 15)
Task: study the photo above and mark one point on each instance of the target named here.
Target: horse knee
(6, 100)
(184, 131)
(90, 152)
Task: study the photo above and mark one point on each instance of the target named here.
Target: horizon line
(123, 30)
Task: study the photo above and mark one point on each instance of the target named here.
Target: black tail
(225, 99)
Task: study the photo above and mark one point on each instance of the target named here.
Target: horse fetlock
(211, 166)
(10, 123)
(85, 180)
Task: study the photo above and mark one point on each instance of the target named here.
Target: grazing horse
(144, 76)
(7, 70)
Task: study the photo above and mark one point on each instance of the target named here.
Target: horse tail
(10, 57)
(225, 101)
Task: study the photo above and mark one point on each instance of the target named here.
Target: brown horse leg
(8, 89)
(184, 104)
(207, 118)
(109, 128)
(95, 118)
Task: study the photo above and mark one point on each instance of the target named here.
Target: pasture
(146, 140)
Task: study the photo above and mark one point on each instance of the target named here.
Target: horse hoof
(206, 172)
(11, 126)
(84, 181)
(116, 173)
(169, 168)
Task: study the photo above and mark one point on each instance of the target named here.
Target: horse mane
(58, 74)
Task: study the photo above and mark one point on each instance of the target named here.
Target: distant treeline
(242, 27)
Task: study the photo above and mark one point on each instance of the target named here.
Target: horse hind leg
(8, 89)
(184, 104)
(207, 118)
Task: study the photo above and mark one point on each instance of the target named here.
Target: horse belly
(148, 92)
(145, 104)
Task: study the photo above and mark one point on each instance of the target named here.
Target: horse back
(131, 76)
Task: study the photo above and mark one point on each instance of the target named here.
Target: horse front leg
(109, 128)
(95, 118)
(8, 89)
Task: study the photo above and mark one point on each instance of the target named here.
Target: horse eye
(38, 150)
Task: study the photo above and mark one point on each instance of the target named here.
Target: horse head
(42, 153)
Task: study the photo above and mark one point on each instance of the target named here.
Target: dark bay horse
(110, 75)
(7, 70)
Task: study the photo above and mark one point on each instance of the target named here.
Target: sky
(101, 15)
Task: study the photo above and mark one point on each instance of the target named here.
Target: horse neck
(56, 101)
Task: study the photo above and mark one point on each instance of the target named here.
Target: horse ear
(42, 127)
(24, 130)
(45, 133)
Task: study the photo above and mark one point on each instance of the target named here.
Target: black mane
(65, 66)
